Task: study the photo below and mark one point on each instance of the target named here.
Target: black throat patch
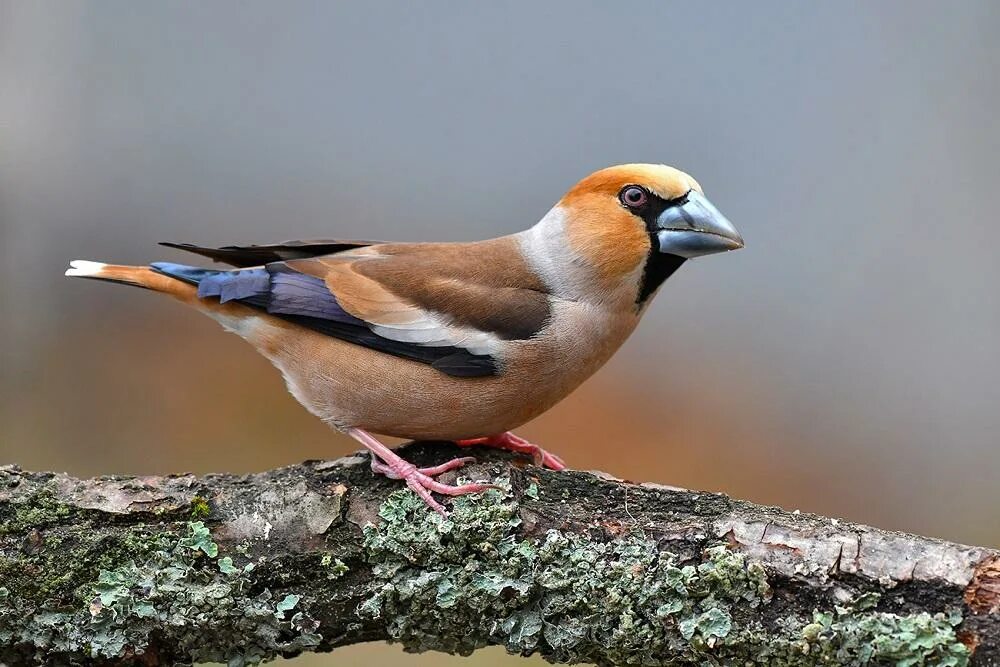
(659, 266)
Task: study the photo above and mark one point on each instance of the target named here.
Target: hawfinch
(453, 341)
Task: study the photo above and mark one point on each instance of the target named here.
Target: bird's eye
(633, 196)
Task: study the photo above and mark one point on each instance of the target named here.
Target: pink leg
(388, 463)
(514, 443)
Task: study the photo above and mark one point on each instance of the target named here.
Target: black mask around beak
(694, 227)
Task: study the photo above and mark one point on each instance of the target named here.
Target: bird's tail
(139, 276)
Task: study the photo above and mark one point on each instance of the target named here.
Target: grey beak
(695, 228)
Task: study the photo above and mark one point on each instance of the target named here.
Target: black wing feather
(258, 255)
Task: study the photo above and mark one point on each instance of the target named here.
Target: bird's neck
(571, 275)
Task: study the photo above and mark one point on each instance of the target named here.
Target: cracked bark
(294, 558)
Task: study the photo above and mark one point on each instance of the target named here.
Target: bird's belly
(351, 386)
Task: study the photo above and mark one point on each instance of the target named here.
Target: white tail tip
(82, 267)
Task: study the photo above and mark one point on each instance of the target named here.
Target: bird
(452, 341)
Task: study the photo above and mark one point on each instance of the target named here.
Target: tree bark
(575, 566)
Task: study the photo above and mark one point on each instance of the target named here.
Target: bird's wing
(258, 255)
(440, 304)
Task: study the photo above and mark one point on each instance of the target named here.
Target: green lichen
(37, 511)
(846, 637)
(200, 539)
(458, 583)
(336, 567)
(200, 508)
(287, 604)
(65, 564)
(175, 589)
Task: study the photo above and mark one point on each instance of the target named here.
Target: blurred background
(844, 363)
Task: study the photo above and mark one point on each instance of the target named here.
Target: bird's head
(642, 219)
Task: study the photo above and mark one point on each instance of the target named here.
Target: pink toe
(516, 443)
(446, 466)
(461, 490)
(470, 442)
(552, 461)
(420, 488)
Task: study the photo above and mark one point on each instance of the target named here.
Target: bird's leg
(515, 443)
(420, 480)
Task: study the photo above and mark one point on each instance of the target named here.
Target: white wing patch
(432, 330)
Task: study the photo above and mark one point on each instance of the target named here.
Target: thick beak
(695, 228)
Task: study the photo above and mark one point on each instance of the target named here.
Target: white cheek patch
(566, 273)
(547, 253)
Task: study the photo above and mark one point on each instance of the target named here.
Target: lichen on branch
(173, 588)
(244, 569)
(462, 583)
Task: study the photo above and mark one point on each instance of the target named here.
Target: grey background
(845, 362)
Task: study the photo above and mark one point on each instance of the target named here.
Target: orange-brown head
(639, 222)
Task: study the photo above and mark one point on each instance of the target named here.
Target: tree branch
(575, 566)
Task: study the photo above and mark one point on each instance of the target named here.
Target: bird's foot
(420, 480)
(514, 443)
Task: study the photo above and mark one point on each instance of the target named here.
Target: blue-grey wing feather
(307, 301)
